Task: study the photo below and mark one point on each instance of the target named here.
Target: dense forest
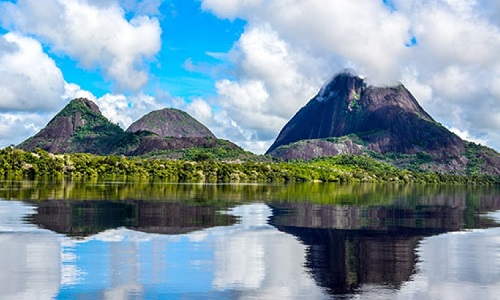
(15, 163)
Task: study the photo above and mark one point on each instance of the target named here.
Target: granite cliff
(349, 117)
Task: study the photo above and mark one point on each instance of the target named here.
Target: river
(152, 240)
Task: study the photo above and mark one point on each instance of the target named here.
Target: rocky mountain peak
(342, 85)
(83, 102)
(170, 122)
(389, 119)
(78, 127)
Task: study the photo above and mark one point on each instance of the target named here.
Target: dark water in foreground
(304, 241)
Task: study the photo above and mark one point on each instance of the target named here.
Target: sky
(245, 67)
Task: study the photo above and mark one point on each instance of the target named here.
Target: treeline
(15, 163)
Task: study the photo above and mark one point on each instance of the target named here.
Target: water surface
(112, 240)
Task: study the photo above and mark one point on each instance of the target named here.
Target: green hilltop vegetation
(80, 127)
(206, 168)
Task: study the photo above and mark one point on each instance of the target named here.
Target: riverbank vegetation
(15, 163)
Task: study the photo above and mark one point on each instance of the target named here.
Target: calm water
(103, 240)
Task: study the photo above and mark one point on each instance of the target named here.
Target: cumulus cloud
(365, 32)
(445, 51)
(120, 108)
(200, 110)
(15, 127)
(124, 110)
(457, 62)
(32, 88)
(73, 91)
(466, 136)
(272, 81)
(29, 79)
(96, 33)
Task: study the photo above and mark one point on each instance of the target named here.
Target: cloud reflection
(260, 261)
(462, 265)
(30, 259)
(249, 259)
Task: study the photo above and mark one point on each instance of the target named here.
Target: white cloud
(287, 51)
(95, 33)
(15, 127)
(466, 136)
(272, 82)
(73, 91)
(29, 79)
(231, 9)
(124, 110)
(31, 86)
(121, 109)
(365, 32)
(200, 110)
(451, 67)
(456, 59)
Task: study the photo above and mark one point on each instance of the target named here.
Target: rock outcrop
(78, 127)
(349, 117)
(170, 122)
(170, 133)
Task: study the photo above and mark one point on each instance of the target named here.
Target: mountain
(78, 127)
(170, 122)
(349, 117)
(169, 133)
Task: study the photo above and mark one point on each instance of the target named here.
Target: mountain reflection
(350, 245)
(85, 218)
(252, 238)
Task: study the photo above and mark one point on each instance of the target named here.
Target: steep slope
(78, 127)
(171, 122)
(191, 148)
(171, 132)
(349, 117)
(168, 133)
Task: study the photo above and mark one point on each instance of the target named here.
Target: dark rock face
(66, 216)
(389, 119)
(326, 115)
(79, 127)
(308, 149)
(349, 117)
(155, 143)
(170, 122)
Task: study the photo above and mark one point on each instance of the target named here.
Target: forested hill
(169, 133)
(170, 122)
(78, 127)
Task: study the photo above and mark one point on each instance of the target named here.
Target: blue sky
(183, 41)
(244, 67)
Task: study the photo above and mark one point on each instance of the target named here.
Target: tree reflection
(351, 245)
(355, 235)
(85, 218)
